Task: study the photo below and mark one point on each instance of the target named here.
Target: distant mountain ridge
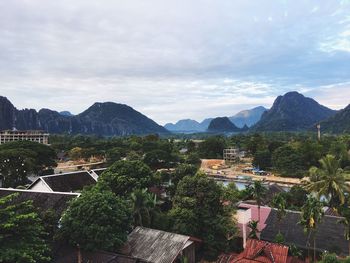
(338, 123)
(292, 112)
(248, 117)
(106, 119)
(242, 118)
(66, 113)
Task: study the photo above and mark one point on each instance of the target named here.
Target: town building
(30, 135)
(329, 235)
(261, 251)
(232, 154)
(43, 201)
(156, 246)
(65, 182)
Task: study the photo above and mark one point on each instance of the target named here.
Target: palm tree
(143, 205)
(346, 222)
(311, 216)
(328, 181)
(279, 202)
(254, 230)
(258, 192)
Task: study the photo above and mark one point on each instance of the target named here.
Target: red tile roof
(262, 251)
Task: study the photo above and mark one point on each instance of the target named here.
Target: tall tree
(258, 192)
(96, 220)
(143, 206)
(125, 176)
(43, 156)
(280, 203)
(328, 181)
(15, 165)
(198, 211)
(346, 222)
(311, 216)
(21, 232)
(254, 229)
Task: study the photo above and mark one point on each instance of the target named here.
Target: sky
(173, 59)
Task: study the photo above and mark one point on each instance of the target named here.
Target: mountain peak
(106, 119)
(293, 112)
(222, 124)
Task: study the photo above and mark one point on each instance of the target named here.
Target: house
(69, 254)
(156, 246)
(329, 234)
(264, 252)
(65, 182)
(43, 201)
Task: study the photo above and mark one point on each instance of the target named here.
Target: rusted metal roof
(156, 246)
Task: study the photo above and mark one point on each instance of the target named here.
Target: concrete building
(31, 135)
(232, 154)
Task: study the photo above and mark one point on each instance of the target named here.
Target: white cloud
(171, 59)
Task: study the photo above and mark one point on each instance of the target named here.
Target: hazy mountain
(105, 119)
(222, 124)
(338, 123)
(248, 117)
(292, 112)
(186, 125)
(66, 113)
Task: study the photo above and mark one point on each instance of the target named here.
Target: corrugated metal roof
(155, 246)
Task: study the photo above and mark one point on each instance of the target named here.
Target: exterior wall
(190, 253)
(243, 217)
(40, 186)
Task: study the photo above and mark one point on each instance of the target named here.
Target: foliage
(279, 238)
(262, 159)
(258, 192)
(212, 148)
(15, 165)
(96, 220)
(43, 155)
(22, 237)
(125, 176)
(254, 229)
(311, 216)
(328, 181)
(329, 258)
(143, 207)
(198, 211)
(288, 161)
(230, 193)
(345, 220)
(157, 159)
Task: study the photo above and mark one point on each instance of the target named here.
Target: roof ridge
(32, 191)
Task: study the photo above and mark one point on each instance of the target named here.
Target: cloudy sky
(173, 59)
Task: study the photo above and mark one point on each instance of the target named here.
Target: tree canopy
(198, 211)
(125, 176)
(22, 236)
(96, 220)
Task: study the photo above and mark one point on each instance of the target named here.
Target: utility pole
(319, 132)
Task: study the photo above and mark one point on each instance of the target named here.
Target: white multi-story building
(33, 136)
